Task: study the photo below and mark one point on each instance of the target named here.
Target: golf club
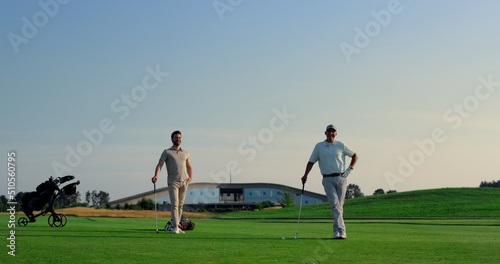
(156, 212)
(300, 209)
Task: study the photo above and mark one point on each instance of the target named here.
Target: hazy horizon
(94, 89)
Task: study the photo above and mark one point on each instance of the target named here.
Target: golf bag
(46, 194)
(184, 224)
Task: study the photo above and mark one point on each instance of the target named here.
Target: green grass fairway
(134, 240)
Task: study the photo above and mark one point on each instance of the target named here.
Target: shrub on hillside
(264, 204)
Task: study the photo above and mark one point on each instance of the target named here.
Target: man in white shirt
(330, 155)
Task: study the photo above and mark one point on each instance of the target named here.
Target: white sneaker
(177, 231)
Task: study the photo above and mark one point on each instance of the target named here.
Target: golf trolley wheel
(64, 220)
(23, 221)
(57, 220)
(51, 221)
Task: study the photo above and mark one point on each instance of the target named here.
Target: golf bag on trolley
(46, 194)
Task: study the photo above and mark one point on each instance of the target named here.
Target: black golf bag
(184, 224)
(47, 193)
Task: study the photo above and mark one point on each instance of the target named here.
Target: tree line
(494, 184)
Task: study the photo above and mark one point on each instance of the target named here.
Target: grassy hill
(435, 203)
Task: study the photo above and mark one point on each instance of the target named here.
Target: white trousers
(335, 189)
(177, 192)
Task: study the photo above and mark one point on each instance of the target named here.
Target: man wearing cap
(330, 155)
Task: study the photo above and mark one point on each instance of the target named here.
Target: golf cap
(331, 127)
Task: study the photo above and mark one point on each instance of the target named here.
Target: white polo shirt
(331, 156)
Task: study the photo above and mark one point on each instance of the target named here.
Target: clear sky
(95, 88)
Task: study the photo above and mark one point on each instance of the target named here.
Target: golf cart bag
(184, 224)
(46, 194)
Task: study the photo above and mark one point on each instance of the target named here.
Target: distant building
(214, 195)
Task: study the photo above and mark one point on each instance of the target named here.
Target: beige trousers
(177, 192)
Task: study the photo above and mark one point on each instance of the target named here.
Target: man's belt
(332, 175)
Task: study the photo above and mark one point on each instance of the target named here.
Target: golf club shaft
(300, 209)
(156, 212)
